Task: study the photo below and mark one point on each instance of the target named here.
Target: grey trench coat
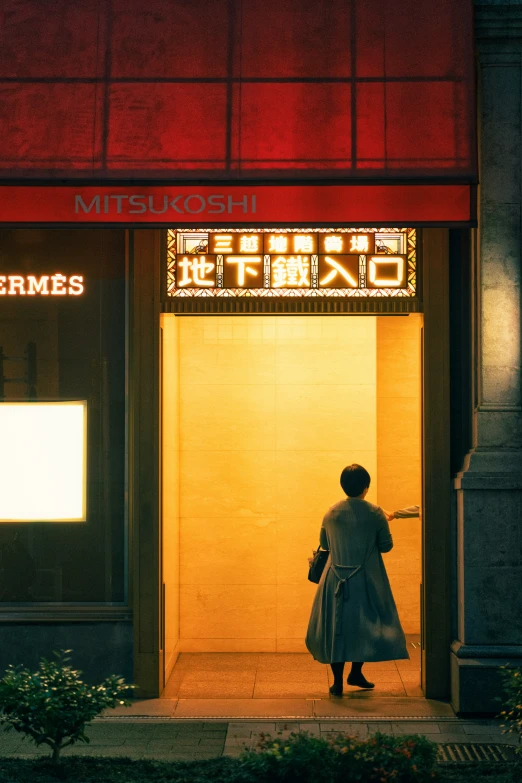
(354, 617)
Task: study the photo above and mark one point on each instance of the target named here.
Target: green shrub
(300, 757)
(85, 769)
(53, 705)
(512, 712)
(383, 757)
(221, 770)
(304, 759)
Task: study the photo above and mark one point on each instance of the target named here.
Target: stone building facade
(114, 620)
(488, 488)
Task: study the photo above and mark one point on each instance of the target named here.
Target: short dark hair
(354, 480)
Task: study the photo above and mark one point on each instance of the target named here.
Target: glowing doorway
(260, 414)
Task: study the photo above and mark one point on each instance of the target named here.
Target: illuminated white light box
(43, 455)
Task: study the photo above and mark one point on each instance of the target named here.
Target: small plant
(53, 705)
(512, 712)
(379, 759)
(387, 759)
(299, 757)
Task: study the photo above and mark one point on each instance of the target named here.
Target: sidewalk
(176, 740)
(452, 730)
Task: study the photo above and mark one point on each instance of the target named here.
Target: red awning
(270, 204)
(355, 89)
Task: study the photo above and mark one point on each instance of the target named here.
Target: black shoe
(360, 681)
(336, 690)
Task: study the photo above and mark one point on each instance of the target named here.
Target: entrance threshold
(286, 686)
(397, 709)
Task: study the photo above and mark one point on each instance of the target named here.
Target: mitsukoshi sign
(193, 204)
(303, 204)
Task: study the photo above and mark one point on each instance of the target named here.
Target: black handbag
(317, 565)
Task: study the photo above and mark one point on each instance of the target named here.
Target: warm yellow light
(223, 243)
(249, 243)
(303, 244)
(194, 271)
(376, 270)
(277, 243)
(359, 244)
(291, 272)
(43, 450)
(243, 266)
(333, 244)
(336, 267)
(45, 285)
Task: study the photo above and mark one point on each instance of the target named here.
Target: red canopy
(373, 89)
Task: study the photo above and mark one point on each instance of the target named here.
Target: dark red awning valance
(373, 89)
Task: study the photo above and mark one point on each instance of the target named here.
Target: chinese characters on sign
(344, 260)
(262, 243)
(385, 272)
(243, 271)
(339, 271)
(235, 243)
(196, 271)
(290, 272)
(347, 243)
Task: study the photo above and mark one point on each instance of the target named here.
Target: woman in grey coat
(354, 617)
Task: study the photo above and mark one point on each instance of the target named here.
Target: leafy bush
(81, 769)
(383, 757)
(86, 769)
(300, 757)
(512, 712)
(304, 759)
(53, 705)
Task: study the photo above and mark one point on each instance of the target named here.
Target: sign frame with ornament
(242, 277)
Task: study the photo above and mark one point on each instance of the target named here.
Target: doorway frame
(145, 266)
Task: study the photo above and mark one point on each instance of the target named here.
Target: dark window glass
(76, 350)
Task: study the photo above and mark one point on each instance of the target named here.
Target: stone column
(489, 487)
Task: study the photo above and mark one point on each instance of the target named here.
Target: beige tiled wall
(399, 454)
(170, 485)
(271, 409)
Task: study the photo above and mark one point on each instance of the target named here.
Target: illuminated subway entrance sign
(292, 262)
(41, 285)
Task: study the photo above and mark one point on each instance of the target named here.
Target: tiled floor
(252, 686)
(285, 676)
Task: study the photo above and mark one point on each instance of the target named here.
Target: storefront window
(56, 461)
(62, 371)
